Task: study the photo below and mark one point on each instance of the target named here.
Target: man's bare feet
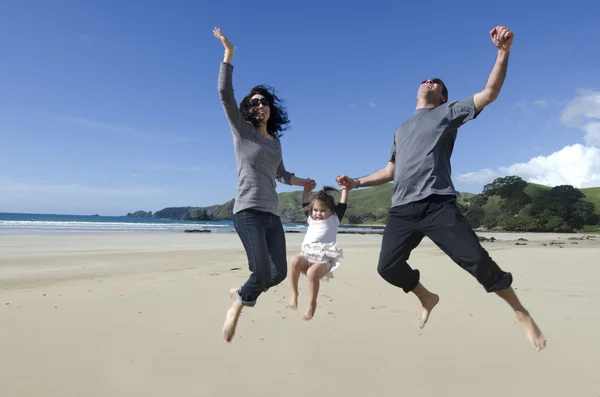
(428, 301)
(231, 319)
(293, 302)
(533, 333)
(310, 311)
(428, 304)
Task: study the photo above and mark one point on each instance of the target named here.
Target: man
(424, 199)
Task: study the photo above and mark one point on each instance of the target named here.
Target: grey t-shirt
(422, 149)
(258, 160)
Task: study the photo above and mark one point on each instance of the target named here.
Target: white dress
(319, 244)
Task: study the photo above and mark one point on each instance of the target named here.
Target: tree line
(509, 203)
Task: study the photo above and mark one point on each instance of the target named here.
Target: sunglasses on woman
(257, 101)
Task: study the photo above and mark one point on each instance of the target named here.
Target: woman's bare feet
(310, 311)
(231, 319)
(533, 333)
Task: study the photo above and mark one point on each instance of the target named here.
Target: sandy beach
(141, 315)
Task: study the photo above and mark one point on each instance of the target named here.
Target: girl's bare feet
(231, 319)
(293, 302)
(310, 311)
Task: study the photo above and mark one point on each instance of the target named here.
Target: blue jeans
(263, 238)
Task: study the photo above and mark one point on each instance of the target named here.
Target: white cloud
(543, 103)
(528, 108)
(592, 133)
(372, 104)
(523, 106)
(480, 177)
(582, 112)
(575, 165)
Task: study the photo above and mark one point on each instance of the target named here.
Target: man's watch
(357, 182)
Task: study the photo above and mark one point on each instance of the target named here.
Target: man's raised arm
(502, 37)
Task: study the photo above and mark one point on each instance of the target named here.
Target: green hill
(366, 206)
(508, 203)
(511, 204)
(592, 195)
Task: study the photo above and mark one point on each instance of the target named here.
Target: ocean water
(13, 223)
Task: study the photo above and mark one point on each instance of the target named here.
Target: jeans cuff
(245, 303)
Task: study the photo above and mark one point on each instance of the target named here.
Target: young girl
(319, 254)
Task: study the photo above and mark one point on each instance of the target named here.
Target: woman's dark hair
(324, 197)
(278, 120)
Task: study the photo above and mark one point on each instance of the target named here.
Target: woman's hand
(229, 47)
(309, 185)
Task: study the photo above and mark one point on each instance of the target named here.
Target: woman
(256, 128)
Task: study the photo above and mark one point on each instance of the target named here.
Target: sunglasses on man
(436, 81)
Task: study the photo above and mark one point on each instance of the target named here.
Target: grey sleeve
(460, 112)
(236, 121)
(282, 175)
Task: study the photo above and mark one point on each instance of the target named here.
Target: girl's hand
(346, 182)
(226, 43)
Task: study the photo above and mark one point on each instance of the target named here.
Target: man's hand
(502, 37)
(346, 182)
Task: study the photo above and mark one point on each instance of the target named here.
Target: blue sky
(111, 107)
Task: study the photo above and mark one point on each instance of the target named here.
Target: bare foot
(310, 311)
(231, 319)
(293, 302)
(534, 334)
(428, 304)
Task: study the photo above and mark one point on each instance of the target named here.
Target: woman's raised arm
(236, 121)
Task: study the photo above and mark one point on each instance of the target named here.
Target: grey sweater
(259, 160)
